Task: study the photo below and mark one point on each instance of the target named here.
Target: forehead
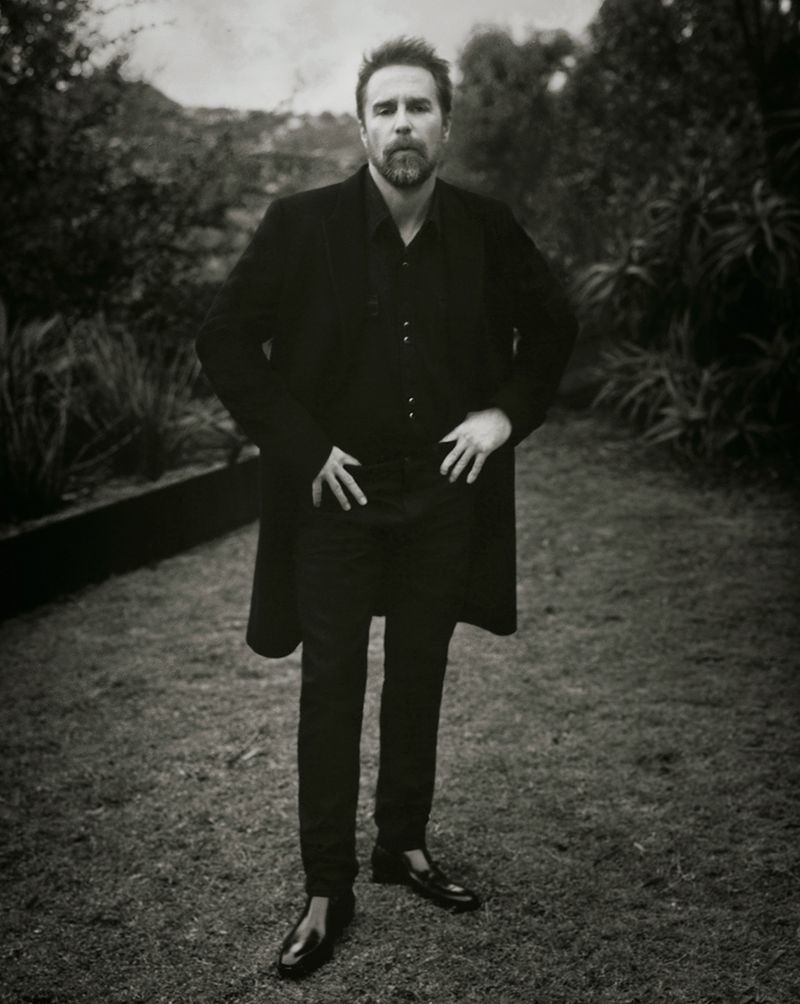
(391, 83)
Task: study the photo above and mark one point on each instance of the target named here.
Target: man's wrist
(503, 417)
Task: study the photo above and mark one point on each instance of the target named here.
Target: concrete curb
(87, 546)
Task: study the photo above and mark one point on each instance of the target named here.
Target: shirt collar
(378, 212)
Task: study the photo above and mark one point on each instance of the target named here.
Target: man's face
(403, 130)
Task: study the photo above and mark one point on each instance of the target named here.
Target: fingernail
(363, 501)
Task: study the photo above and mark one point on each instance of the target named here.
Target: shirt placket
(408, 335)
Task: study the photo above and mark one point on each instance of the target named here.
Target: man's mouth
(405, 148)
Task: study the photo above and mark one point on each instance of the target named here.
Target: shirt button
(406, 324)
(406, 339)
(411, 400)
(405, 264)
(411, 414)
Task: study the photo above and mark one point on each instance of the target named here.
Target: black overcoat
(278, 338)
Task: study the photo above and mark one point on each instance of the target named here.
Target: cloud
(303, 53)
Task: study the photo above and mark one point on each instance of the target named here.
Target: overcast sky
(304, 53)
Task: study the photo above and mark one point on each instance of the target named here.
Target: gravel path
(619, 779)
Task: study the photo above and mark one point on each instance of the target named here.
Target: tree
(505, 117)
(669, 86)
(692, 107)
(87, 223)
(504, 131)
(770, 32)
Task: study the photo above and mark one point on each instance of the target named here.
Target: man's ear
(362, 132)
(446, 130)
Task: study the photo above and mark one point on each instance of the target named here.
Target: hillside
(250, 156)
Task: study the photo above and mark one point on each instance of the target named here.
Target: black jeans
(410, 545)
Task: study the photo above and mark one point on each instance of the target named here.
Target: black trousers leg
(337, 567)
(426, 584)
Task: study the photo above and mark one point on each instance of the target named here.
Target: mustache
(404, 145)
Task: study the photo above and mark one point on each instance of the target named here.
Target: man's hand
(334, 475)
(480, 434)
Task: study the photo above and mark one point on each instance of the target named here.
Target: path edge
(76, 549)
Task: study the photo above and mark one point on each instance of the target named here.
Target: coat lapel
(344, 235)
(464, 270)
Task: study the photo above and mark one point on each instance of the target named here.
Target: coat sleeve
(230, 345)
(545, 331)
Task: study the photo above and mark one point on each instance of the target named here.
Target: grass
(619, 779)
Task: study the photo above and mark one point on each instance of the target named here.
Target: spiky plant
(36, 398)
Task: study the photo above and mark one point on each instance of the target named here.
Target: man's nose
(401, 122)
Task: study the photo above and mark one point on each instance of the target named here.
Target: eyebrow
(392, 102)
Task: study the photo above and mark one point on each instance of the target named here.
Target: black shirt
(400, 396)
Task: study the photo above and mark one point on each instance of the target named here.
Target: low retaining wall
(75, 549)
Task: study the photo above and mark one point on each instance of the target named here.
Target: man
(414, 335)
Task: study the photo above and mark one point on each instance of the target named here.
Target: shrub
(701, 411)
(36, 407)
(702, 303)
(140, 411)
(79, 404)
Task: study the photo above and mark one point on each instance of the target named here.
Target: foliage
(88, 219)
(507, 124)
(502, 132)
(705, 411)
(678, 87)
(658, 85)
(581, 135)
(140, 410)
(36, 405)
(83, 401)
(705, 300)
(760, 237)
(692, 114)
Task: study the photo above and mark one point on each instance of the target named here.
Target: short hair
(406, 51)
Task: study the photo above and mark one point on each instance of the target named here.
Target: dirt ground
(619, 779)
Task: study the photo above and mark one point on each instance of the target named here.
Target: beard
(405, 164)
